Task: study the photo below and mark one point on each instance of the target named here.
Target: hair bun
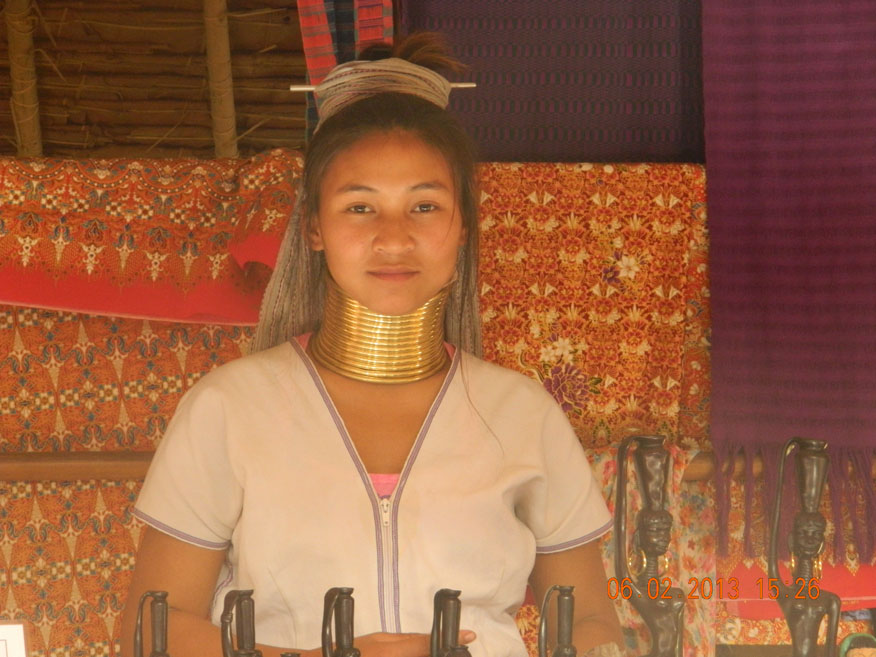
(426, 49)
(376, 52)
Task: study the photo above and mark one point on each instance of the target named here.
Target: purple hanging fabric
(571, 81)
(790, 108)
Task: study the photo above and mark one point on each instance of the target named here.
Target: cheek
(339, 239)
(447, 242)
(446, 255)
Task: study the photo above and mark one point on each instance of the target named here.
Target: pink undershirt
(384, 484)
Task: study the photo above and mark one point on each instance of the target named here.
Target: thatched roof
(119, 78)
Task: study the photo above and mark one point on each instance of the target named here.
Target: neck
(804, 569)
(360, 344)
(650, 570)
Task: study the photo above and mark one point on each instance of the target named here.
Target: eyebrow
(428, 185)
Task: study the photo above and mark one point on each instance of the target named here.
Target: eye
(358, 208)
(425, 207)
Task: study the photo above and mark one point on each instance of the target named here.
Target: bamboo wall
(124, 78)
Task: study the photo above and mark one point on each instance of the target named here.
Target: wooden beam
(70, 466)
(24, 101)
(219, 76)
(133, 465)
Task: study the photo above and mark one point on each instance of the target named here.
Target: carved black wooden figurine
(445, 625)
(239, 609)
(158, 612)
(565, 619)
(803, 602)
(339, 606)
(659, 603)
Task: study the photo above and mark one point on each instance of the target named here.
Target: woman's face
(389, 222)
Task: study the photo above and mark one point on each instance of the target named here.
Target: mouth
(393, 273)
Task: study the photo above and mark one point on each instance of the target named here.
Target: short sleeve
(191, 491)
(564, 507)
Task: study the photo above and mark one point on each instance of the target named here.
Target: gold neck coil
(358, 343)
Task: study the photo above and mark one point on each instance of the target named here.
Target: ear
(313, 235)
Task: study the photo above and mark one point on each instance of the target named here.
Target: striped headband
(359, 79)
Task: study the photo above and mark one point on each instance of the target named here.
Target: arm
(596, 621)
(188, 573)
(772, 556)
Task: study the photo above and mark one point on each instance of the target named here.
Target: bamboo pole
(219, 76)
(116, 115)
(133, 152)
(24, 102)
(71, 58)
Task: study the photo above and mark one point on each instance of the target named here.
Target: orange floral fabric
(594, 282)
(66, 557)
(165, 239)
(71, 382)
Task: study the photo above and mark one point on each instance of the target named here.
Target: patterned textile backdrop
(71, 382)
(66, 556)
(596, 285)
(168, 239)
(567, 80)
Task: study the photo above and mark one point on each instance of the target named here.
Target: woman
(357, 447)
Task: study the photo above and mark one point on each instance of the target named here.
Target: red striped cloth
(316, 37)
(373, 22)
(321, 30)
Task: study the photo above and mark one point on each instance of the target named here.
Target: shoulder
(260, 366)
(253, 379)
(492, 385)
(254, 390)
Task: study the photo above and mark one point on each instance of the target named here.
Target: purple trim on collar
(170, 531)
(406, 471)
(225, 582)
(581, 540)
(363, 474)
(357, 462)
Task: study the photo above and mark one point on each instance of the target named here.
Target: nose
(392, 233)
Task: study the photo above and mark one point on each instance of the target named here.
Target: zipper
(386, 511)
(386, 584)
(390, 619)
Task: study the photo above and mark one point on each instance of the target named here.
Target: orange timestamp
(801, 589)
(705, 588)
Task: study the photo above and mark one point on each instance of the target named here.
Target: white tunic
(257, 461)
